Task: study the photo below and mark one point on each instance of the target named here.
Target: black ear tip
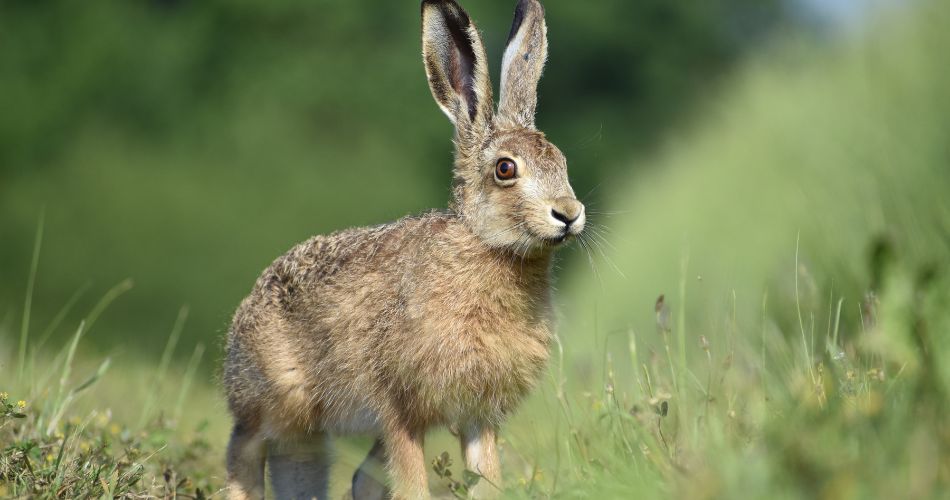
(431, 3)
(524, 5)
(450, 9)
(443, 5)
(522, 11)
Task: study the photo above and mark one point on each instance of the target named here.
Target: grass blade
(108, 298)
(189, 376)
(28, 301)
(163, 364)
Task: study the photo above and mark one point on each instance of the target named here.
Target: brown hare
(440, 319)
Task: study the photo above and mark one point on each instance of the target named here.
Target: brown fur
(440, 319)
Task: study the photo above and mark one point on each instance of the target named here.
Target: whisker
(590, 259)
(503, 231)
(596, 233)
(595, 188)
(606, 214)
(600, 241)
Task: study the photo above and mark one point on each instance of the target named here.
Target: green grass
(800, 235)
(58, 442)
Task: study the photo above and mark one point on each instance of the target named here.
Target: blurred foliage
(831, 157)
(186, 144)
(798, 227)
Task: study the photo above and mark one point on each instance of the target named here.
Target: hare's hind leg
(406, 463)
(300, 467)
(369, 481)
(245, 464)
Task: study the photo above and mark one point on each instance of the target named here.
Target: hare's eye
(506, 169)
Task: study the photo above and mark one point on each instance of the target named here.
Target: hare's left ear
(456, 67)
(522, 65)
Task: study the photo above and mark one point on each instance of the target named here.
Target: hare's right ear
(456, 66)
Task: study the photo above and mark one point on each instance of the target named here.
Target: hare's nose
(567, 210)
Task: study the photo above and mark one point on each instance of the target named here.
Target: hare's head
(511, 184)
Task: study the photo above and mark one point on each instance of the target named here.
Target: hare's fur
(440, 319)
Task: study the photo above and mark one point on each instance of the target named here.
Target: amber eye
(506, 169)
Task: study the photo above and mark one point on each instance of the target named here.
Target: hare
(434, 320)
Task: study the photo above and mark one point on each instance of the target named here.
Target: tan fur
(440, 319)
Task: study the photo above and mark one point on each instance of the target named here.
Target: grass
(800, 350)
(56, 445)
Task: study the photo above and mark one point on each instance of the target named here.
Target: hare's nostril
(567, 220)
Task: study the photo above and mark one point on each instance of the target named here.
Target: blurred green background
(187, 144)
(779, 169)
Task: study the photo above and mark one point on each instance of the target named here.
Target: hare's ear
(455, 64)
(521, 68)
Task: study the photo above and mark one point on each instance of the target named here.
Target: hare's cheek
(530, 190)
(494, 223)
(508, 203)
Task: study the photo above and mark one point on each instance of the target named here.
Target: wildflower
(538, 475)
(876, 374)
(50, 458)
(21, 404)
(3, 397)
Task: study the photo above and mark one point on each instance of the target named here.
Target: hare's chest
(483, 368)
(498, 331)
(478, 349)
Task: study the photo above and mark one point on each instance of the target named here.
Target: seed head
(663, 315)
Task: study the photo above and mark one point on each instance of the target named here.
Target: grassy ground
(801, 350)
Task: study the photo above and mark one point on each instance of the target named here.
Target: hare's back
(344, 262)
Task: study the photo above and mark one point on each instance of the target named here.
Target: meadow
(759, 310)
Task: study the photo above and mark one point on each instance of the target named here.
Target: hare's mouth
(544, 239)
(555, 241)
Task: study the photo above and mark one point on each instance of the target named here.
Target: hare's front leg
(246, 454)
(300, 467)
(405, 462)
(480, 448)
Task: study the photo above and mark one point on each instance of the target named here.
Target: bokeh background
(778, 169)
